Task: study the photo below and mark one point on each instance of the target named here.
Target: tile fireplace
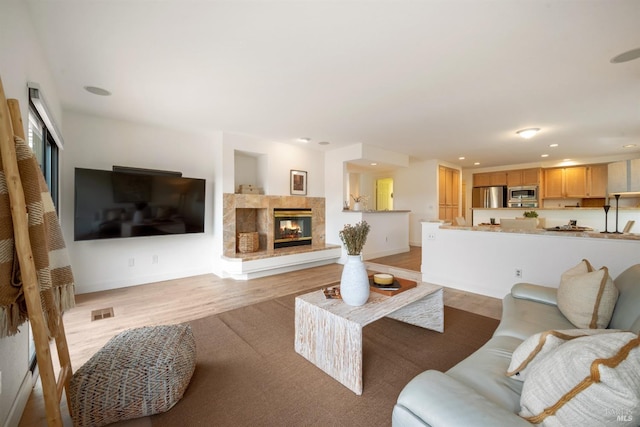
(301, 221)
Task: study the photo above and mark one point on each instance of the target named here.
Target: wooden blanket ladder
(10, 125)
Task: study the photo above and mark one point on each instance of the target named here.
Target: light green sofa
(476, 392)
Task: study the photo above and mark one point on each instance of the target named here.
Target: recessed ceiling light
(476, 163)
(627, 56)
(373, 164)
(303, 140)
(553, 145)
(460, 158)
(528, 133)
(97, 90)
(544, 155)
(629, 146)
(323, 143)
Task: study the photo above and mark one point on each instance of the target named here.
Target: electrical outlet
(519, 273)
(431, 236)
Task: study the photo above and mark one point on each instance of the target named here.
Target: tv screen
(112, 204)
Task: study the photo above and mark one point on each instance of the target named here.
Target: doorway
(384, 194)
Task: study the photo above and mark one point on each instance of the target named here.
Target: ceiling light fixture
(323, 143)
(303, 140)
(629, 146)
(627, 56)
(97, 91)
(544, 155)
(461, 158)
(373, 164)
(528, 133)
(476, 164)
(553, 145)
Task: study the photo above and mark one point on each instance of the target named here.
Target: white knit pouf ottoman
(139, 372)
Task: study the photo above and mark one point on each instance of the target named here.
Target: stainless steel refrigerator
(489, 197)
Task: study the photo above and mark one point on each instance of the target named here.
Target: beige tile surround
(254, 212)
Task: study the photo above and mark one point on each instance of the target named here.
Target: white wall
(484, 262)
(22, 61)
(416, 189)
(275, 162)
(337, 179)
(99, 143)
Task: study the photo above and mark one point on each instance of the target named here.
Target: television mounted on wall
(136, 202)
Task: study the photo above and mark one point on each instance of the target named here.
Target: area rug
(248, 374)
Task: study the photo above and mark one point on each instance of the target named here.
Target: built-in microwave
(524, 193)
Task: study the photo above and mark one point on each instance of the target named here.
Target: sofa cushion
(537, 346)
(484, 371)
(434, 399)
(522, 318)
(626, 315)
(587, 299)
(588, 381)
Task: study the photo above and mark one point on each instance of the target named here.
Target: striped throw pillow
(588, 381)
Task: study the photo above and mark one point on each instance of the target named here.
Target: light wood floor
(186, 299)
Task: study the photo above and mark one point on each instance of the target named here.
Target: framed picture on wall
(298, 183)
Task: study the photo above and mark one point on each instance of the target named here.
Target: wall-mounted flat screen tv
(110, 204)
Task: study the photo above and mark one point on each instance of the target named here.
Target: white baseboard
(15, 414)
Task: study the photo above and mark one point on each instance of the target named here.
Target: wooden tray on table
(398, 285)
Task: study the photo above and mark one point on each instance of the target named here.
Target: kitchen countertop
(567, 208)
(541, 231)
(377, 212)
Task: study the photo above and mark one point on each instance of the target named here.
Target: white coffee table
(328, 332)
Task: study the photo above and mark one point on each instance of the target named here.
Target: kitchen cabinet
(490, 179)
(624, 176)
(576, 182)
(448, 193)
(597, 180)
(520, 177)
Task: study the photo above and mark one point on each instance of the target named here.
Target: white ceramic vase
(354, 283)
(356, 206)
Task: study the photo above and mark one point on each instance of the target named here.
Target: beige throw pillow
(588, 381)
(587, 299)
(583, 267)
(537, 346)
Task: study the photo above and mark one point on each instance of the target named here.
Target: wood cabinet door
(455, 187)
(531, 176)
(634, 175)
(448, 193)
(499, 178)
(575, 181)
(448, 186)
(597, 180)
(617, 177)
(514, 178)
(442, 185)
(481, 179)
(553, 183)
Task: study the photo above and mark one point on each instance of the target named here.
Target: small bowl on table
(383, 279)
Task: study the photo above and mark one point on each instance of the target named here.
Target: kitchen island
(488, 260)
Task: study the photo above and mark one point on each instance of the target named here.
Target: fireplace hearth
(292, 227)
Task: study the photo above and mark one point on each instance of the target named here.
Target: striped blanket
(53, 270)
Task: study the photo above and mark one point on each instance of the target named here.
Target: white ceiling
(431, 79)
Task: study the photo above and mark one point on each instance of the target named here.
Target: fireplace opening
(292, 227)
